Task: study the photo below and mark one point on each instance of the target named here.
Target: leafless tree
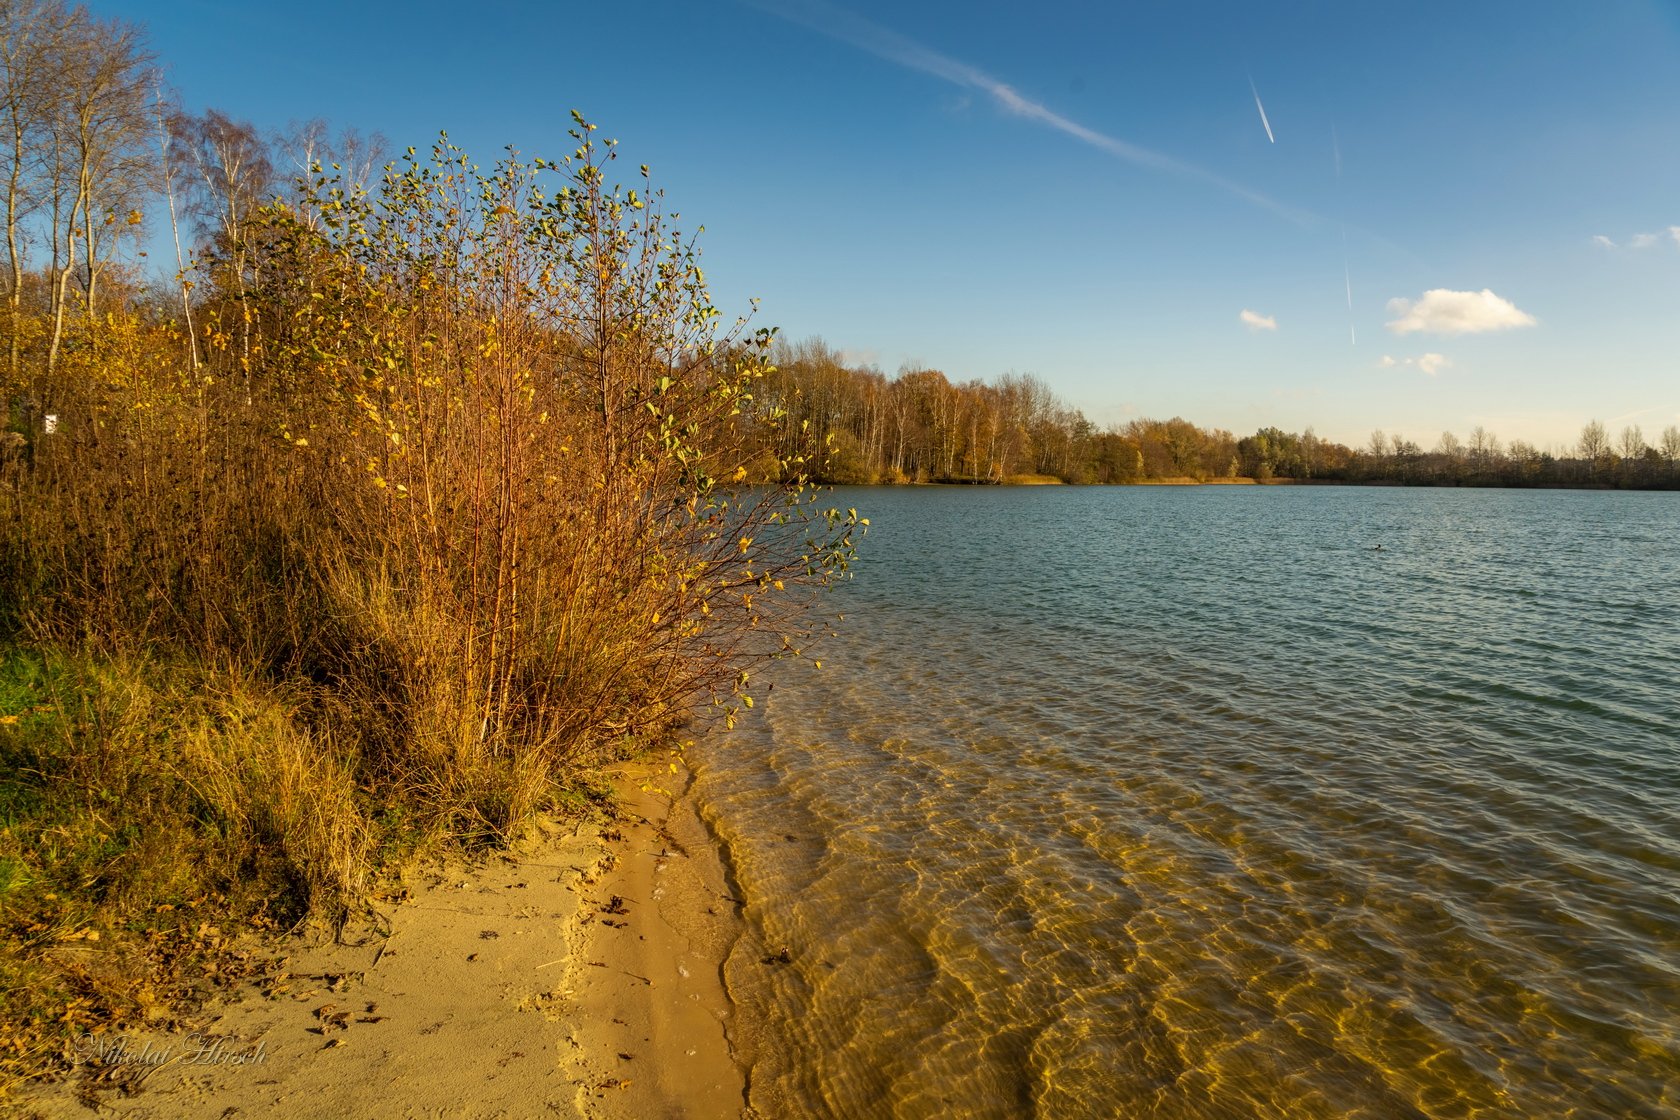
(1632, 443)
(1595, 442)
(32, 34)
(311, 148)
(1484, 448)
(168, 176)
(104, 128)
(231, 175)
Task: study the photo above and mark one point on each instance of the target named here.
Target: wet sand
(580, 978)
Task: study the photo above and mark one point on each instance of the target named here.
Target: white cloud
(1255, 321)
(866, 358)
(1442, 311)
(1429, 364)
(1642, 240)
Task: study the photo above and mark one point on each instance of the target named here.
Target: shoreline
(677, 918)
(581, 976)
(1243, 480)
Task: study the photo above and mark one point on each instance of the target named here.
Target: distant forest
(855, 425)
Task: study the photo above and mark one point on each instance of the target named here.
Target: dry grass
(268, 784)
(122, 858)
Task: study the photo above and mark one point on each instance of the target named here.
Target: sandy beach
(580, 977)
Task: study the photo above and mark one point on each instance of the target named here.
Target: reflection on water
(1195, 803)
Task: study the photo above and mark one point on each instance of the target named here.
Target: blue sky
(1086, 191)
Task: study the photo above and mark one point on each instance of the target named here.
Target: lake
(1220, 802)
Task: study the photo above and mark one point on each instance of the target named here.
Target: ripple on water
(1188, 804)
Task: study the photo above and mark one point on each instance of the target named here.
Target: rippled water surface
(1162, 802)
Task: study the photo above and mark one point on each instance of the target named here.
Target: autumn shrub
(513, 407)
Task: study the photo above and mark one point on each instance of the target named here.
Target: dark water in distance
(1191, 802)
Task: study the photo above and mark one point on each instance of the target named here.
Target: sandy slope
(579, 980)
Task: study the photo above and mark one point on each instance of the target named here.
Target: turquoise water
(1195, 802)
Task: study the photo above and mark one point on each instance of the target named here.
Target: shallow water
(1192, 802)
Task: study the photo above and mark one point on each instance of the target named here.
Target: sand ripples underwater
(1196, 803)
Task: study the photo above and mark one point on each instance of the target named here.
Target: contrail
(1631, 415)
(1262, 109)
(848, 27)
(1341, 207)
(1347, 278)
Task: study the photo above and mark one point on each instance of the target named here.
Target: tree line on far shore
(862, 427)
